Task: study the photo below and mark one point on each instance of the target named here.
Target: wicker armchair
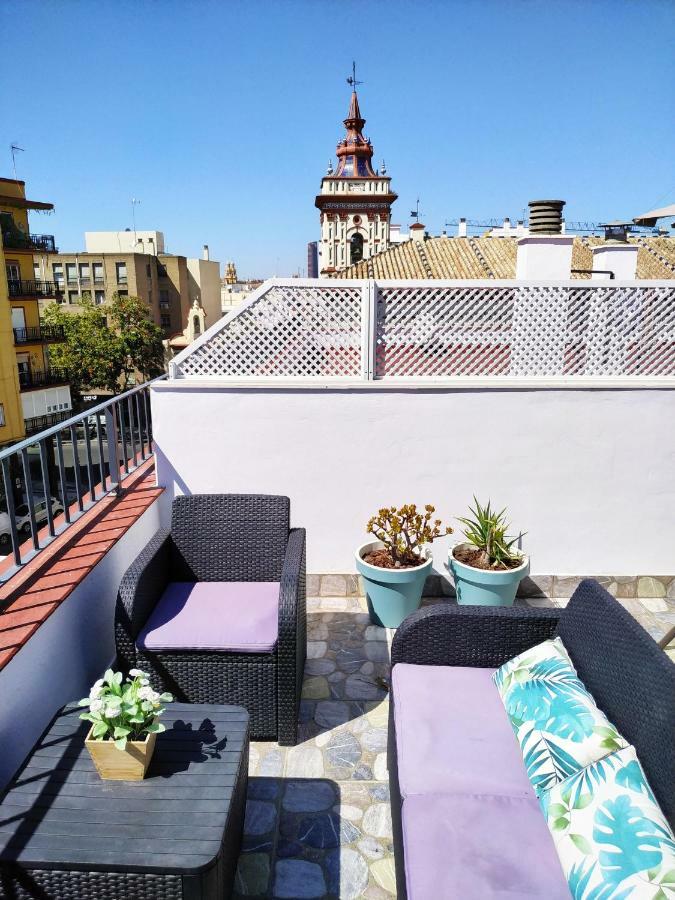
(231, 538)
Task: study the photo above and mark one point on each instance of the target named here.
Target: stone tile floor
(317, 816)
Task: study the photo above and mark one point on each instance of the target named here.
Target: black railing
(44, 242)
(30, 380)
(33, 288)
(39, 423)
(51, 478)
(39, 333)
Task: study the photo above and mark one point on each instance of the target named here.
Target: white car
(23, 517)
(5, 531)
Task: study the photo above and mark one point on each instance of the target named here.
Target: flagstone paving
(318, 821)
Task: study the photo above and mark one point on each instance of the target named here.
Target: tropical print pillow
(612, 839)
(556, 721)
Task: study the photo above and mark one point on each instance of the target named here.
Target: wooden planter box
(129, 764)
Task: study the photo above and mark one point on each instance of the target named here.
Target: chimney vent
(206, 252)
(546, 216)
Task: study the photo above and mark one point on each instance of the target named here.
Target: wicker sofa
(466, 821)
(214, 609)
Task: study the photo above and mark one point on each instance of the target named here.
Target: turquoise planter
(392, 594)
(481, 587)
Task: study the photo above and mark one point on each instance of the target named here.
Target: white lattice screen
(437, 330)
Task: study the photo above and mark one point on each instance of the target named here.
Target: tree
(92, 352)
(106, 346)
(143, 349)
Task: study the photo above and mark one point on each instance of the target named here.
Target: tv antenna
(351, 80)
(134, 204)
(415, 213)
(13, 148)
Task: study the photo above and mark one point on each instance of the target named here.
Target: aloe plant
(486, 530)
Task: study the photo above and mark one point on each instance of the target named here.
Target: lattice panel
(291, 330)
(445, 331)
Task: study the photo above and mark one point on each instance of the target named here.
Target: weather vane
(352, 78)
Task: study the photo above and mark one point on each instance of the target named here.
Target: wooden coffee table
(176, 835)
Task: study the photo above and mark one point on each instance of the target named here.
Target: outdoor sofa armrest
(292, 642)
(140, 589)
(481, 636)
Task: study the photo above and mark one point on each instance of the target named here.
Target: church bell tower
(355, 201)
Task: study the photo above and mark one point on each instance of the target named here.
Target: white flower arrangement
(122, 711)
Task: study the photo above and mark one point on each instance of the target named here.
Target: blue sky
(221, 117)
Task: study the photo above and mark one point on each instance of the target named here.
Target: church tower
(355, 201)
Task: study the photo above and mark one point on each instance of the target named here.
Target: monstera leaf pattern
(611, 836)
(556, 721)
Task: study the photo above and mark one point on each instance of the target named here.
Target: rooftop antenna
(134, 204)
(415, 213)
(352, 78)
(14, 148)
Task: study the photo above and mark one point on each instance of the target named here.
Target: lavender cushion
(453, 735)
(478, 848)
(236, 616)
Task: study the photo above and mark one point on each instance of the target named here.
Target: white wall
(589, 475)
(151, 242)
(67, 653)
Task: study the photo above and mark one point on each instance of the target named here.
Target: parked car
(23, 515)
(5, 531)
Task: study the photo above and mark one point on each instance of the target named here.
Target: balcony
(31, 381)
(36, 424)
(30, 288)
(36, 242)
(557, 401)
(39, 334)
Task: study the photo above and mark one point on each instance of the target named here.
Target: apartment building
(168, 283)
(44, 392)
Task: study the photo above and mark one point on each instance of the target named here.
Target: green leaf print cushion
(612, 839)
(556, 721)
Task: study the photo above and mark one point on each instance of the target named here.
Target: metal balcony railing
(39, 333)
(48, 480)
(38, 423)
(32, 288)
(43, 242)
(29, 381)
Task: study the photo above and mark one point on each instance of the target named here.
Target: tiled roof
(487, 257)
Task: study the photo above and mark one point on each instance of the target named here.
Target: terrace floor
(317, 819)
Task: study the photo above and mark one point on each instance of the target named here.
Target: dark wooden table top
(58, 812)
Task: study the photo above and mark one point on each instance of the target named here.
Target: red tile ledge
(32, 595)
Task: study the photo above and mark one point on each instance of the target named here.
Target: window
(84, 273)
(99, 297)
(196, 326)
(163, 299)
(123, 293)
(36, 271)
(71, 273)
(356, 248)
(161, 270)
(73, 296)
(57, 273)
(13, 272)
(98, 273)
(148, 270)
(2, 414)
(165, 320)
(121, 272)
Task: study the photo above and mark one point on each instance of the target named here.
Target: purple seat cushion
(453, 734)
(234, 616)
(479, 847)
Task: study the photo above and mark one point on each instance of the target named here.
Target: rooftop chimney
(205, 252)
(616, 255)
(461, 228)
(417, 231)
(546, 216)
(545, 254)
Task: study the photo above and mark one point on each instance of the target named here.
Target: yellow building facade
(11, 412)
(43, 391)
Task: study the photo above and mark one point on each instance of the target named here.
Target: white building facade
(355, 201)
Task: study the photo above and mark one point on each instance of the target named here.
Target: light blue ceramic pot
(392, 594)
(483, 587)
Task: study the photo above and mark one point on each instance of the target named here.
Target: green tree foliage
(143, 350)
(106, 346)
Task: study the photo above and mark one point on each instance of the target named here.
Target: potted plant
(395, 566)
(486, 567)
(124, 716)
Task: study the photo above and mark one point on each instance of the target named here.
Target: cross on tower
(352, 78)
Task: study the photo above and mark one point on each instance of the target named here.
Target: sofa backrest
(229, 537)
(631, 679)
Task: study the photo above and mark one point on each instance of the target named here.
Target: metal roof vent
(616, 231)
(546, 216)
